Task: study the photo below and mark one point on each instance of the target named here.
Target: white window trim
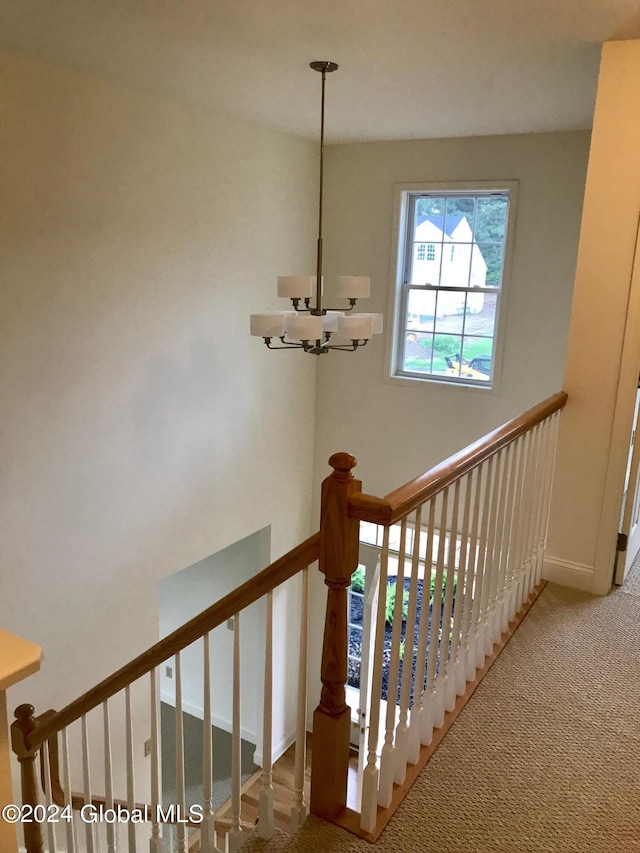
(393, 344)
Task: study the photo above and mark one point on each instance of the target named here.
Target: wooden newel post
(24, 724)
(339, 539)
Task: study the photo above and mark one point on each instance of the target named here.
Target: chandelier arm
(296, 302)
(355, 344)
(286, 344)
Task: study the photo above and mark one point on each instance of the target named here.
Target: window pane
(476, 358)
(460, 218)
(425, 268)
(421, 310)
(493, 255)
(491, 219)
(480, 317)
(446, 349)
(451, 312)
(417, 352)
(428, 206)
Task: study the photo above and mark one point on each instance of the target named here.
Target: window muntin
(449, 298)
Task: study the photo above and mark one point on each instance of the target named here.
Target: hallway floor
(545, 756)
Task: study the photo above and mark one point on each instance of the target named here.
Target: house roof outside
(447, 226)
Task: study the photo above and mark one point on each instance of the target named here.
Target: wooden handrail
(402, 501)
(275, 574)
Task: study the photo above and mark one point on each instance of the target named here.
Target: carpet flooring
(193, 749)
(545, 757)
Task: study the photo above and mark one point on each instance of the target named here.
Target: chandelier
(310, 326)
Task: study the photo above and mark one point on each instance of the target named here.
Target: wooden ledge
(18, 659)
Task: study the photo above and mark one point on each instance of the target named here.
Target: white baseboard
(278, 748)
(218, 722)
(567, 573)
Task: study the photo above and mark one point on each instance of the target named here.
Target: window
(447, 313)
(355, 624)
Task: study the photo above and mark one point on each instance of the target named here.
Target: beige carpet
(546, 755)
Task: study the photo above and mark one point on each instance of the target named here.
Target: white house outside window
(448, 297)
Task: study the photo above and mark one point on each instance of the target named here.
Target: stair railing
(86, 821)
(462, 549)
(471, 532)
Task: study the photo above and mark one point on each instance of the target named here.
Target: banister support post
(24, 724)
(339, 542)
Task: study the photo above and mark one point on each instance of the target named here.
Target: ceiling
(408, 68)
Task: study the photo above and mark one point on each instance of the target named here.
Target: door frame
(622, 425)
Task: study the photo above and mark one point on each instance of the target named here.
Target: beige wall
(397, 432)
(142, 428)
(601, 383)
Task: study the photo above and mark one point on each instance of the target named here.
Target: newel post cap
(342, 463)
(21, 728)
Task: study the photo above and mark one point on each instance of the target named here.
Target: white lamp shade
(354, 286)
(356, 327)
(304, 327)
(296, 286)
(377, 322)
(330, 321)
(267, 325)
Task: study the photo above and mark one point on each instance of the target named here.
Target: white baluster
(235, 834)
(387, 769)
(538, 532)
(407, 751)
(546, 458)
(207, 828)
(482, 585)
(131, 796)
(532, 547)
(181, 832)
(70, 825)
(446, 685)
(490, 568)
(108, 776)
(369, 622)
(505, 541)
(417, 724)
(371, 773)
(299, 810)
(472, 600)
(525, 560)
(463, 594)
(515, 538)
(51, 835)
(265, 822)
(434, 704)
(497, 571)
(532, 510)
(155, 841)
(553, 424)
(86, 784)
